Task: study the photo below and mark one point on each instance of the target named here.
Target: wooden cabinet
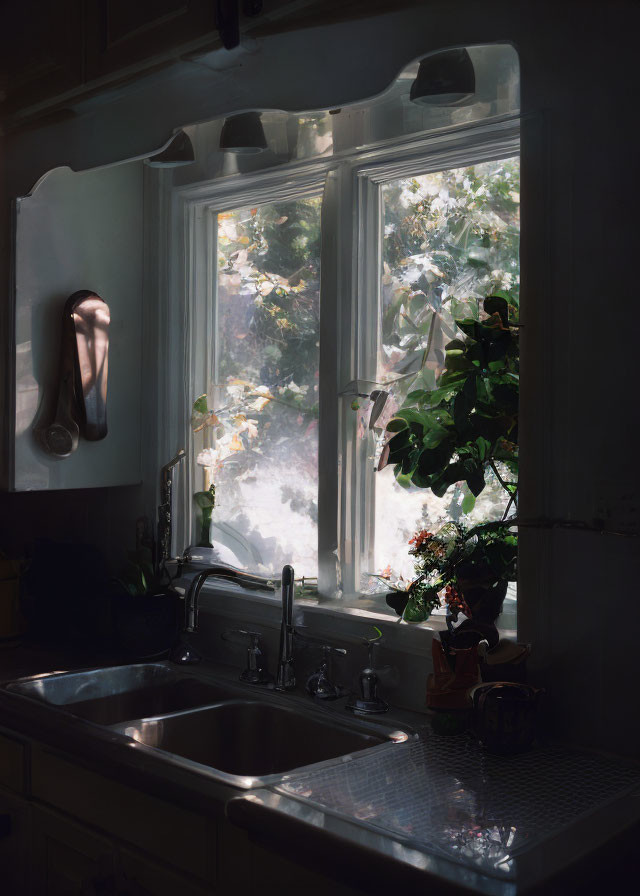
(120, 33)
(52, 54)
(138, 874)
(182, 839)
(48, 50)
(15, 834)
(68, 859)
(12, 764)
(42, 51)
(75, 832)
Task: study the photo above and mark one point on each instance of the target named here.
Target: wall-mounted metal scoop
(89, 318)
(82, 379)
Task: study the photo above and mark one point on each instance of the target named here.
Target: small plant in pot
(144, 608)
(468, 569)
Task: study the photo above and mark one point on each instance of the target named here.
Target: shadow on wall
(102, 517)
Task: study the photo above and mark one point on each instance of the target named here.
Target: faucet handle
(255, 672)
(319, 685)
(368, 701)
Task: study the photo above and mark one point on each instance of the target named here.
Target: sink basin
(112, 695)
(255, 738)
(216, 728)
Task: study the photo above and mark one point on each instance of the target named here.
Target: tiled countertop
(446, 796)
(439, 805)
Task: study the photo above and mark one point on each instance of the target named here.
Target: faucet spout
(286, 679)
(185, 654)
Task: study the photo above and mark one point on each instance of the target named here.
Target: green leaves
(409, 415)
(200, 405)
(431, 460)
(484, 448)
(468, 502)
(453, 432)
(397, 424)
(475, 478)
(457, 558)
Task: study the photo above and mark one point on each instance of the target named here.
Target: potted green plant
(458, 432)
(469, 567)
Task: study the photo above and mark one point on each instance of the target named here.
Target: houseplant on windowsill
(462, 432)
(470, 568)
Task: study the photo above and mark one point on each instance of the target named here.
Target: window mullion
(329, 490)
(347, 360)
(357, 248)
(369, 225)
(197, 348)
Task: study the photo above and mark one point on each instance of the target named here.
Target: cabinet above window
(57, 54)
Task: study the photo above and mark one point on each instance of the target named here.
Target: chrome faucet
(165, 522)
(183, 653)
(285, 678)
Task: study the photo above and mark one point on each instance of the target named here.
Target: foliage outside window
(450, 239)
(459, 432)
(260, 421)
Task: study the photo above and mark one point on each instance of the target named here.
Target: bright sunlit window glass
(264, 447)
(450, 239)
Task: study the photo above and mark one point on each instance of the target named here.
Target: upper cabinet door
(75, 232)
(120, 33)
(42, 51)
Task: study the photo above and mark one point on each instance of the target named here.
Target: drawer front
(142, 876)
(172, 834)
(12, 764)
(68, 859)
(15, 834)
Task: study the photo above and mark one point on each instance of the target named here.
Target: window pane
(450, 239)
(265, 448)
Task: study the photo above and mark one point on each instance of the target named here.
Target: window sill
(336, 619)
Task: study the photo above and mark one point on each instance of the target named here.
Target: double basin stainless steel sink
(241, 736)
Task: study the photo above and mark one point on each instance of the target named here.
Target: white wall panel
(79, 231)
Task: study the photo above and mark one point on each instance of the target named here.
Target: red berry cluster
(456, 602)
(419, 538)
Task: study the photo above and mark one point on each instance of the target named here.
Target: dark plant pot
(505, 716)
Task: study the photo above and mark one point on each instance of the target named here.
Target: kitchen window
(262, 446)
(313, 288)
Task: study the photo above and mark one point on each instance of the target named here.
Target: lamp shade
(178, 152)
(243, 134)
(444, 79)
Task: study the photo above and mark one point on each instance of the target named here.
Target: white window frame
(350, 287)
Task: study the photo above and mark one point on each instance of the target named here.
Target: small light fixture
(178, 152)
(243, 134)
(444, 79)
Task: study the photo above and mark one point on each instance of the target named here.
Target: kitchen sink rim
(250, 782)
(240, 691)
(220, 676)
